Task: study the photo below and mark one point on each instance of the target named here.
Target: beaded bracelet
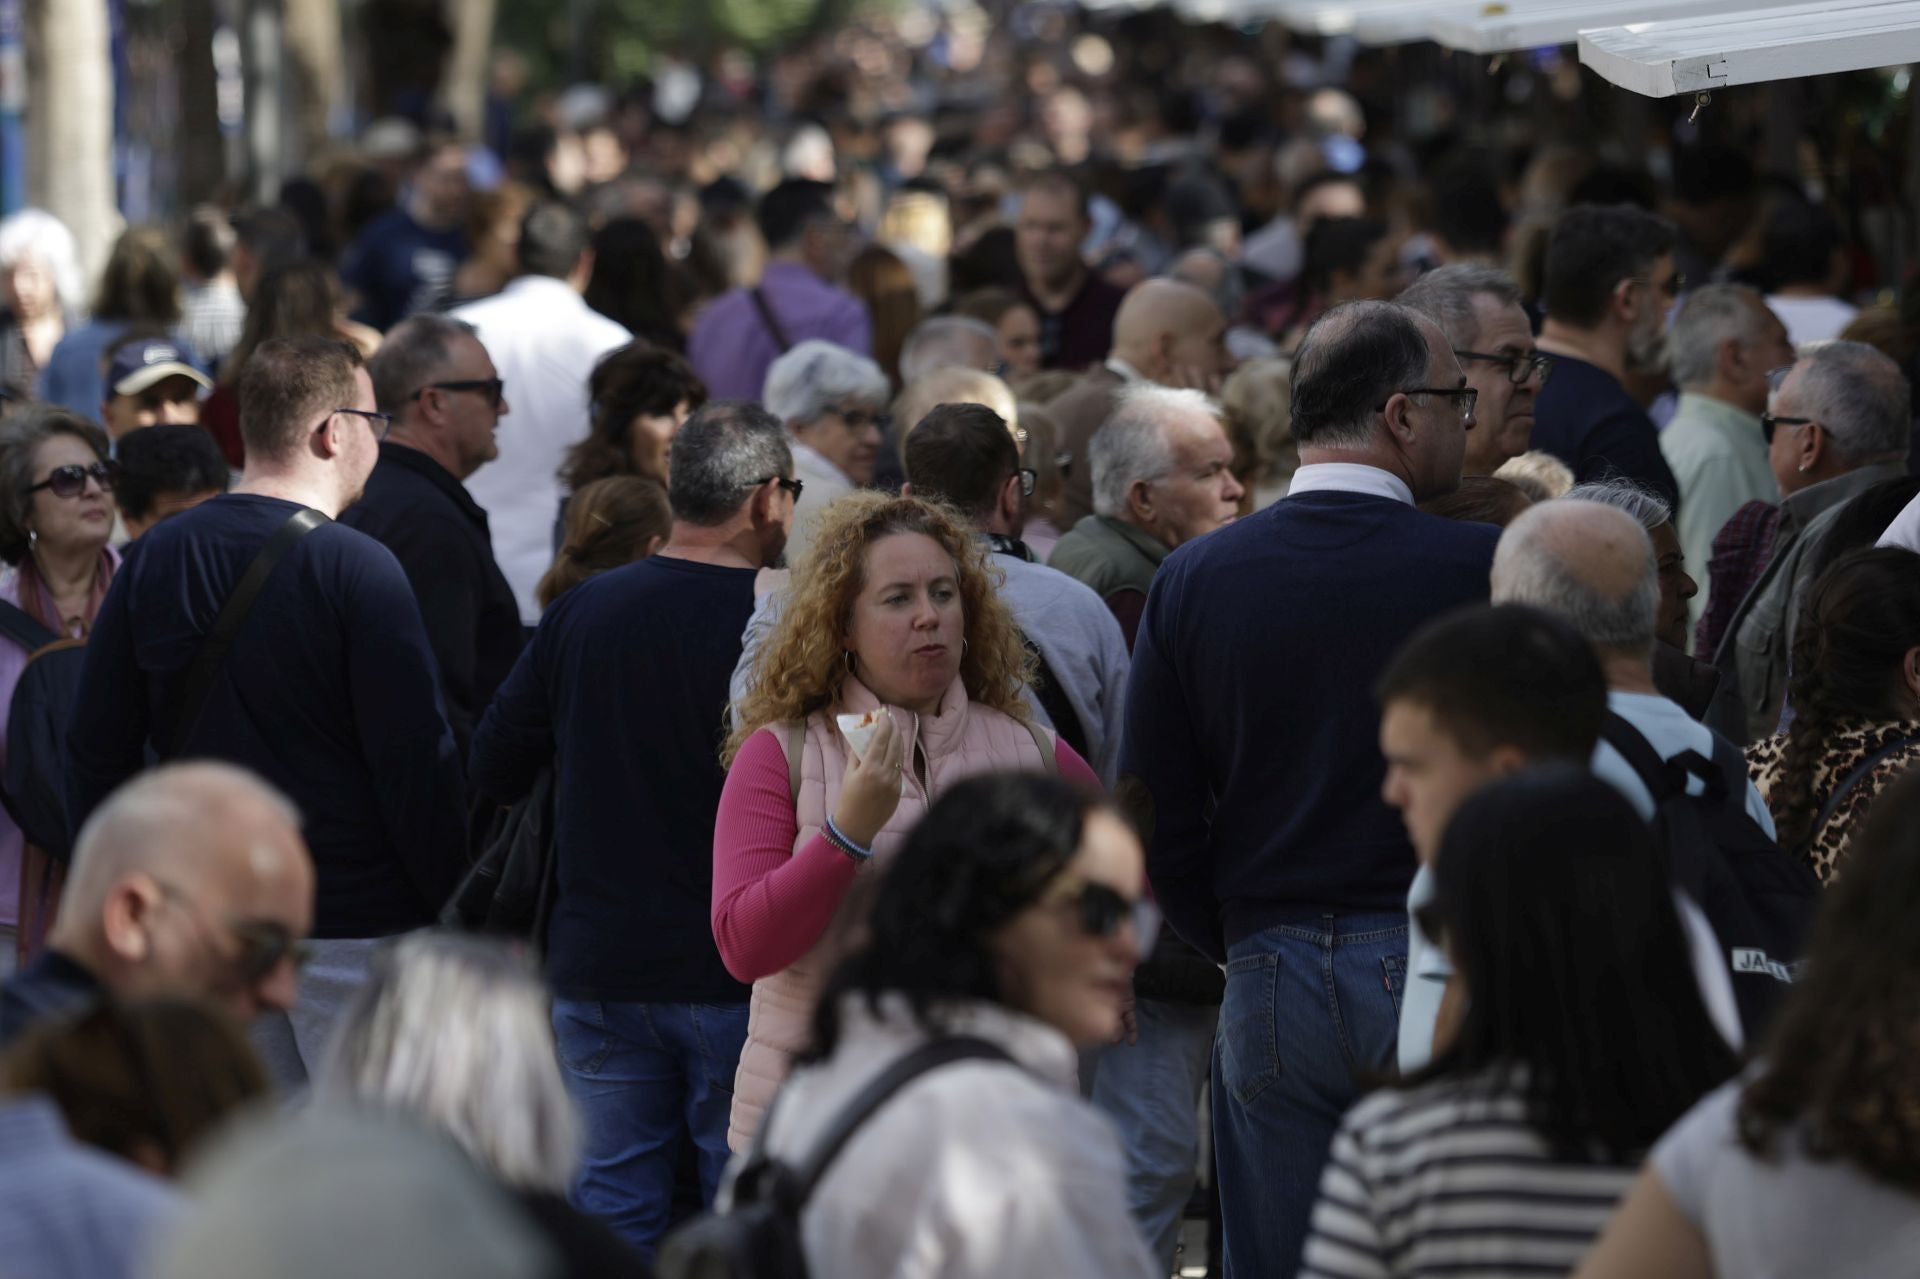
(840, 840)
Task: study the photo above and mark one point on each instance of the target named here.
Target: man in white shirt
(545, 341)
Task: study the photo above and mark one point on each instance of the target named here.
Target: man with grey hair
(1251, 735)
(949, 341)
(1840, 424)
(1723, 344)
(1161, 477)
(834, 404)
(622, 692)
(192, 879)
(1479, 310)
(447, 400)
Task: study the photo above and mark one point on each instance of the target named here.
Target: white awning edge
(1665, 58)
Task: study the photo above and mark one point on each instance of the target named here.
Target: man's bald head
(171, 870)
(1168, 327)
(1589, 562)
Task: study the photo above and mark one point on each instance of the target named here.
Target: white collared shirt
(1349, 477)
(1126, 372)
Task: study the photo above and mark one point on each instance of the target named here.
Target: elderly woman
(452, 1032)
(40, 272)
(1012, 917)
(56, 516)
(834, 404)
(893, 622)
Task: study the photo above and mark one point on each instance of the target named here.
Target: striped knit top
(1448, 1178)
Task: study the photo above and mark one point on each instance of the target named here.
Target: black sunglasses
(1521, 369)
(490, 388)
(792, 486)
(71, 480)
(379, 423)
(263, 946)
(1769, 422)
(1463, 396)
(1099, 910)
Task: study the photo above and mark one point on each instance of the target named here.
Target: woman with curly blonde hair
(894, 628)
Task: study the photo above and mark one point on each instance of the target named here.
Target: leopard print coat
(1847, 748)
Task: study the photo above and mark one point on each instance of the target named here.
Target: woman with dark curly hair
(1809, 1165)
(1014, 915)
(894, 631)
(1855, 695)
(638, 397)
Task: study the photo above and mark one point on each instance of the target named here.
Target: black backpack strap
(1640, 755)
(768, 318)
(219, 640)
(1853, 779)
(24, 628)
(928, 1057)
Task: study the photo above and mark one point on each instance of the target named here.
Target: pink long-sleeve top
(771, 904)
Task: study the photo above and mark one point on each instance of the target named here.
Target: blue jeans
(644, 1074)
(1152, 1091)
(1307, 1006)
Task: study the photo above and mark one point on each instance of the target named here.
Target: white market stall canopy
(1529, 24)
(1698, 55)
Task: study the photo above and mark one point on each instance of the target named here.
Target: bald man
(192, 879)
(1167, 333)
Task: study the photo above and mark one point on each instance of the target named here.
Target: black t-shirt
(1584, 417)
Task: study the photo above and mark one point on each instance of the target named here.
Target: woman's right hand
(870, 792)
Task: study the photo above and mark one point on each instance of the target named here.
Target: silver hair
(1648, 509)
(37, 232)
(453, 1030)
(816, 377)
(944, 340)
(1533, 565)
(412, 353)
(1859, 395)
(1713, 314)
(719, 455)
(20, 439)
(1445, 295)
(1133, 446)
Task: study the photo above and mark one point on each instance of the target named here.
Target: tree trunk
(70, 122)
(313, 47)
(202, 151)
(465, 85)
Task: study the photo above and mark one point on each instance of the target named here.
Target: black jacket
(439, 534)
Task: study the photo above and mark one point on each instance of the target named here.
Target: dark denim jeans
(1307, 1007)
(643, 1076)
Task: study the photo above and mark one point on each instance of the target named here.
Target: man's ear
(1140, 501)
(1814, 444)
(906, 488)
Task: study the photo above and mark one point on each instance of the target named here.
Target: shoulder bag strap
(1049, 752)
(18, 624)
(1853, 779)
(213, 649)
(796, 750)
(1639, 753)
(768, 318)
(928, 1057)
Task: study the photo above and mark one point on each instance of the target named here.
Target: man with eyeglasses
(622, 692)
(435, 377)
(1724, 344)
(1610, 282)
(326, 689)
(1250, 745)
(191, 880)
(1479, 310)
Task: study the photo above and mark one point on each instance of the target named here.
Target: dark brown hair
(1480, 499)
(289, 384)
(141, 283)
(960, 454)
(609, 523)
(637, 379)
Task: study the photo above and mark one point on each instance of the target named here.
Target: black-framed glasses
(795, 487)
(1463, 396)
(379, 423)
(1099, 910)
(71, 480)
(1521, 369)
(1770, 422)
(492, 389)
(260, 945)
(1029, 480)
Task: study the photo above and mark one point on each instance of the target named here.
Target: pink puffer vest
(960, 742)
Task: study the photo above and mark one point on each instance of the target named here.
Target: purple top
(731, 347)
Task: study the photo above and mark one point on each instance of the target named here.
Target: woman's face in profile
(1057, 968)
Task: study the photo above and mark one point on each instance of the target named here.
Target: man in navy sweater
(1251, 740)
(624, 690)
(328, 693)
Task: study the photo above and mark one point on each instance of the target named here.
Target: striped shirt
(1449, 1179)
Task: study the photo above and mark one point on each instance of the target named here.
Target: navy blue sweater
(1584, 417)
(329, 693)
(1250, 715)
(625, 683)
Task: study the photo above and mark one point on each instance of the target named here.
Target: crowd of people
(1354, 686)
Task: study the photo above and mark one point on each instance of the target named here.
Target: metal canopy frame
(1493, 27)
(1662, 59)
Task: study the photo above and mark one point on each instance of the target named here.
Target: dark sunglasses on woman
(71, 480)
(1100, 910)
